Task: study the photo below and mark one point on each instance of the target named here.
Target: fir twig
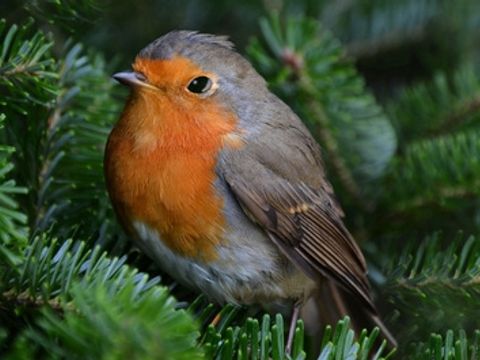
(459, 115)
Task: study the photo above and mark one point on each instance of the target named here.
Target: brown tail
(331, 303)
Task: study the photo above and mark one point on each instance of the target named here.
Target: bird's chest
(169, 186)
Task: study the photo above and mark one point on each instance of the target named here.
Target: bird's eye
(200, 85)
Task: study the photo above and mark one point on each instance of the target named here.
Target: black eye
(200, 85)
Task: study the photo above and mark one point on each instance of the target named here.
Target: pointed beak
(131, 78)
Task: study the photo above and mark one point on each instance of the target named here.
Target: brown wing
(279, 181)
(304, 222)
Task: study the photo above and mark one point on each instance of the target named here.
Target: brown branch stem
(432, 280)
(442, 194)
(455, 118)
(25, 299)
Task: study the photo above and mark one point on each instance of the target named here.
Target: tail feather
(331, 303)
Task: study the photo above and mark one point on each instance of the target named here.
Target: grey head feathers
(212, 53)
(180, 42)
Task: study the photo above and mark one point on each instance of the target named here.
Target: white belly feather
(247, 270)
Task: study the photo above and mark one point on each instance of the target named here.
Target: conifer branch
(443, 193)
(438, 107)
(13, 299)
(458, 116)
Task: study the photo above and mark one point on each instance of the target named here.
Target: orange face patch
(161, 156)
(173, 75)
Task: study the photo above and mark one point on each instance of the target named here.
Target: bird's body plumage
(167, 186)
(226, 189)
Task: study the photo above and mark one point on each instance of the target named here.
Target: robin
(220, 183)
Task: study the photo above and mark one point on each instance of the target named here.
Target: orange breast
(160, 170)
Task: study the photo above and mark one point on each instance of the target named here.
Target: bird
(219, 182)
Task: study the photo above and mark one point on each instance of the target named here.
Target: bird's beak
(131, 78)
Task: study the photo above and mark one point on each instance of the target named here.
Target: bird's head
(193, 71)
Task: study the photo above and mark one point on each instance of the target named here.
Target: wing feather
(300, 220)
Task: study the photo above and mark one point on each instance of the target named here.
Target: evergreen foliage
(98, 307)
(452, 347)
(306, 66)
(403, 154)
(435, 279)
(12, 220)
